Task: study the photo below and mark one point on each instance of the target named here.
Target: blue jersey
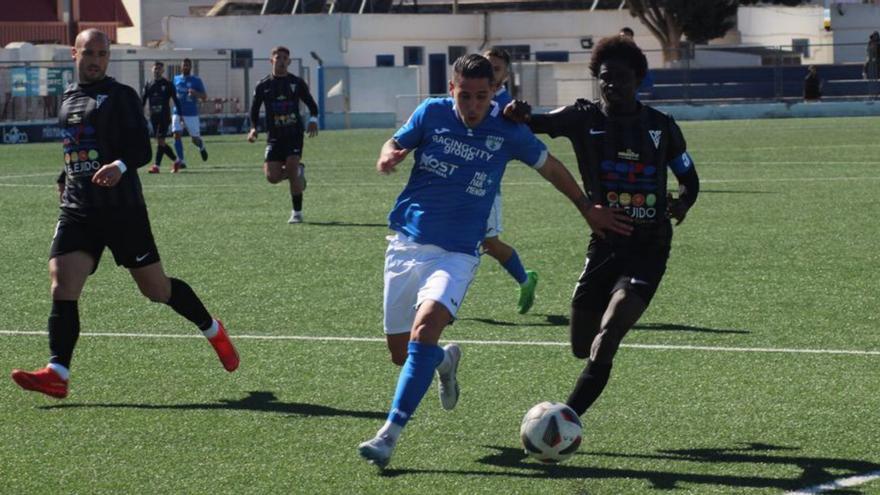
(182, 85)
(502, 97)
(456, 173)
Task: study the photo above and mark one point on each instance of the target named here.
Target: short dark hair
(627, 31)
(280, 48)
(186, 60)
(498, 52)
(474, 66)
(159, 63)
(619, 48)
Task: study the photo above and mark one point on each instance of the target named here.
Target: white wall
(853, 26)
(777, 26)
(355, 40)
(147, 17)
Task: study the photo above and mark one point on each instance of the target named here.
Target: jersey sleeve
(306, 97)
(256, 103)
(677, 157)
(410, 134)
(199, 85)
(173, 92)
(527, 148)
(681, 164)
(560, 122)
(132, 140)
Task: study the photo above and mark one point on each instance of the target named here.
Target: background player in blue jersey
(462, 145)
(281, 92)
(504, 253)
(190, 89)
(624, 149)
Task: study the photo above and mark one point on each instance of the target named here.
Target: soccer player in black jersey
(105, 141)
(158, 92)
(624, 149)
(281, 93)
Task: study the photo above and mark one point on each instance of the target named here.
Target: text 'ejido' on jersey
(456, 174)
(281, 97)
(189, 105)
(622, 160)
(102, 122)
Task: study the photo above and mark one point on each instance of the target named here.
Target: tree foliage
(700, 21)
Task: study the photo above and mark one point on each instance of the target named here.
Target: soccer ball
(550, 432)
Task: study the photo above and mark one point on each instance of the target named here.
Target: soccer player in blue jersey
(504, 253)
(461, 147)
(190, 89)
(623, 149)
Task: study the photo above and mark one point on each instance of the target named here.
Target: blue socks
(414, 380)
(515, 268)
(178, 147)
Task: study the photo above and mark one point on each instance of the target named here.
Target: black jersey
(622, 160)
(102, 122)
(158, 92)
(282, 96)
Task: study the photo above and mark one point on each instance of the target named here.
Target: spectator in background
(647, 84)
(872, 64)
(812, 85)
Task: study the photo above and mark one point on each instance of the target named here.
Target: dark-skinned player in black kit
(623, 149)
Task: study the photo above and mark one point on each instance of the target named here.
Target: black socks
(187, 304)
(589, 386)
(63, 331)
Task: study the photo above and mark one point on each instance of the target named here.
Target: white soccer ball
(550, 432)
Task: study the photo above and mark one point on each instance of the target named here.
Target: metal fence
(31, 90)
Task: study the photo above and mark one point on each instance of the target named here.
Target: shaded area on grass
(255, 401)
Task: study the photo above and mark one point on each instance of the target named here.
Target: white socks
(211, 332)
(62, 371)
(390, 431)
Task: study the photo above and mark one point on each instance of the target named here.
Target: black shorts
(126, 232)
(161, 124)
(278, 149)
(636, 266)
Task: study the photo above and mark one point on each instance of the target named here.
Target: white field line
(506, 183)
(662, 347)
(859, 479)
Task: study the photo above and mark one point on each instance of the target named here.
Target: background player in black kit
(623, 149)
(282, 92)
(158, 92)
(105, 141)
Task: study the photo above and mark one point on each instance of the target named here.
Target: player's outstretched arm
(600, 219)
(390, 156)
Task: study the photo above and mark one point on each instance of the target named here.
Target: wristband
(313, 120)
(120, 165)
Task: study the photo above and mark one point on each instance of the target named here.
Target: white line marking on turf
(859, 479)
(510, 183)
(661, 347)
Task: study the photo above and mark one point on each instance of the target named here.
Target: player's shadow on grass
(722, 191)
(562, 321)
(255, 401)
(346, 224)
(756, 456)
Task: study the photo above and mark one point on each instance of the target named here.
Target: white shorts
(193, 125)
(493, 224)
(415, 273)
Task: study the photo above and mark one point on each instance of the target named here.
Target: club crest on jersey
(293, 87)
(628, 155)
(655, 136)
(100, 99)
(494, 142)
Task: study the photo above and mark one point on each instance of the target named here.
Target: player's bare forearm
(390, 156)
(556, 173)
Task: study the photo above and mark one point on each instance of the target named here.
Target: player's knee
(398, 359)
(580, 350)
(273, 178)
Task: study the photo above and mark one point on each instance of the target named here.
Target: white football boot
(448, 385)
